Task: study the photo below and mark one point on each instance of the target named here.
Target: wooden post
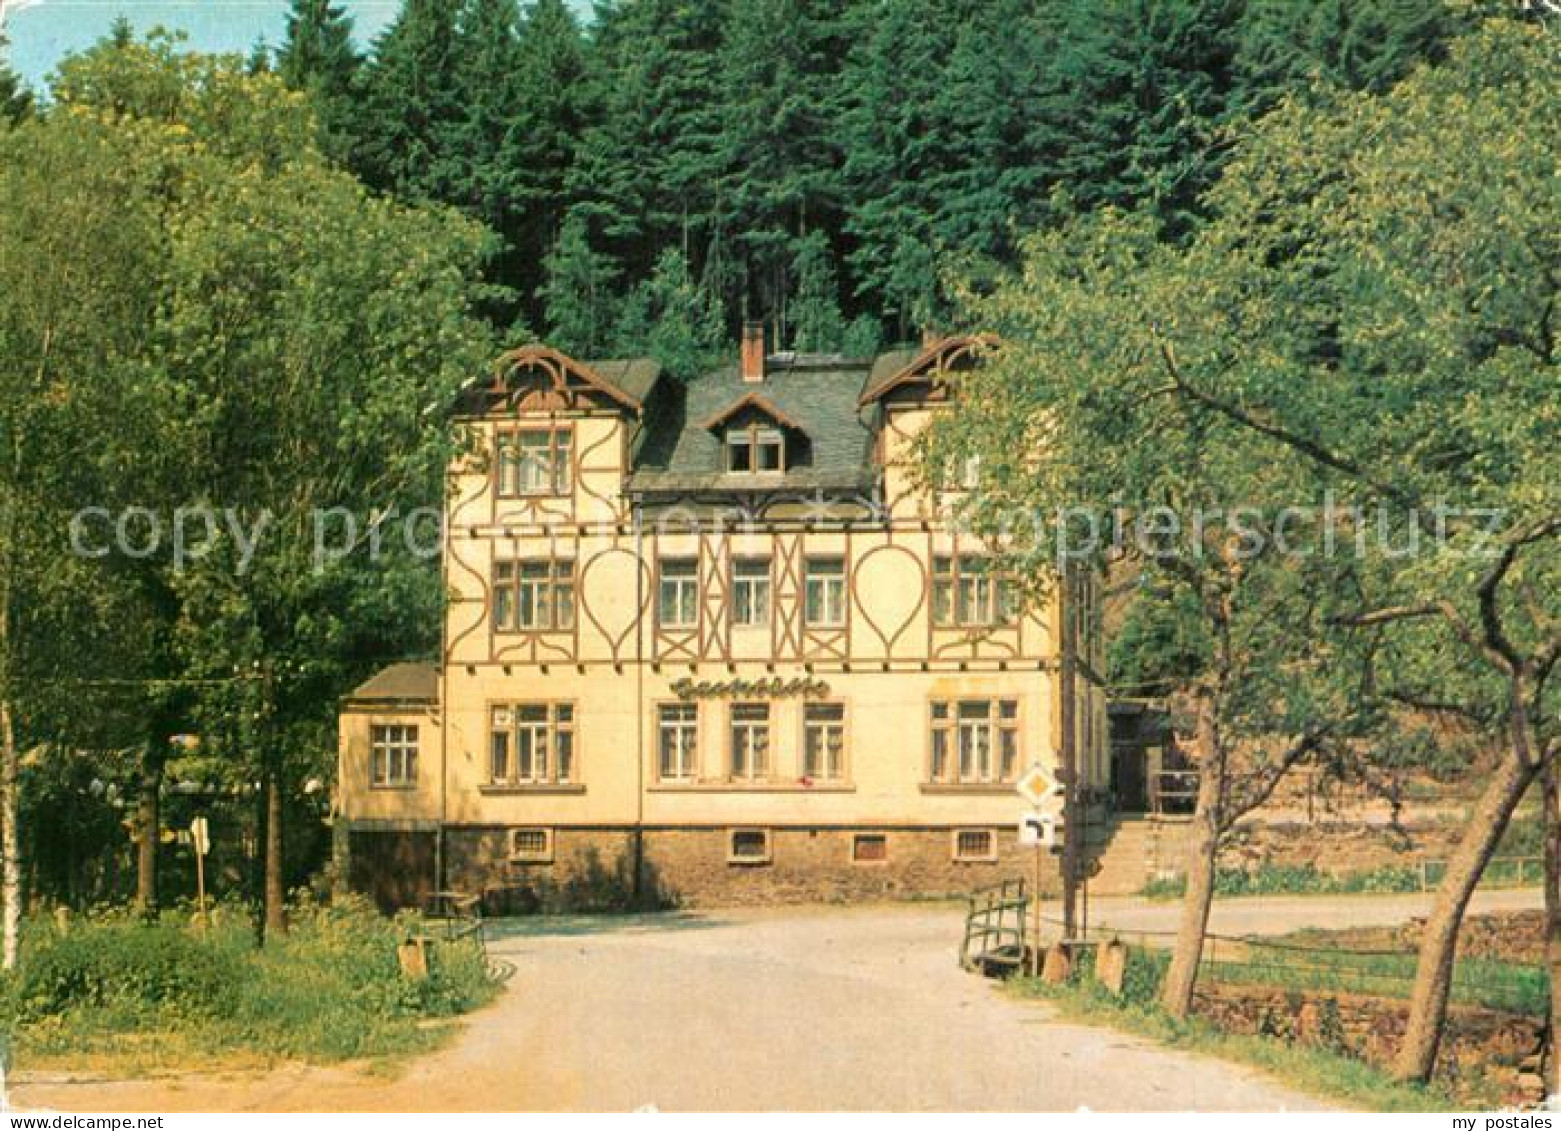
(200, 885)
(200, 840)
(1035, 906)
(1070, 766)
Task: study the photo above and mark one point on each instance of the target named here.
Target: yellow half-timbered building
(711, 634)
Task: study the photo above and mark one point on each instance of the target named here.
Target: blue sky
(43, 31)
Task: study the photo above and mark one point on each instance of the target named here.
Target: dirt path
(1281, 914)
(796, 1010)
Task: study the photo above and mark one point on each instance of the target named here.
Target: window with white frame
(968, 593)
(824, 741)
(535, 461)
(751, 592)
(393, 755)
(824, 592)
(532, 744)
(755, 450)
(678, 741)
(677, 593)
(534, 596)
(974, 741)
(750, 741)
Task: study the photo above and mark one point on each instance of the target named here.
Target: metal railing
(1173, 792)
(1515, 987)
(995, 926)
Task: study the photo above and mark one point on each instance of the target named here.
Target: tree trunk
(276, 893)
(10, 840)
(1551, 775)
(1434, 968)
(1202, 855)
(149, 827)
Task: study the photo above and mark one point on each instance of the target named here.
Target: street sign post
(200, 840)
(1040, 787)
(1038, 828)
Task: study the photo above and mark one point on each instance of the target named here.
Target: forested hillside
(675, 167)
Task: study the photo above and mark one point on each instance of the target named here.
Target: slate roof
(886, 368)
(901, 366)
(636, 376)
(817, 395)
(399, 683)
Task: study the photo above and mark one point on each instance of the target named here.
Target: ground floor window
(531, 846)
(869, 848)
(824, 742)
(749, 846)
(974, 741)
(678, 741)
(975, 845)
(393, 755)
(750, 741)
(532, 744)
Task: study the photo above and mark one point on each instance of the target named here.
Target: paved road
(861, 1009)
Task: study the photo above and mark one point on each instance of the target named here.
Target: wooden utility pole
(1072, 824)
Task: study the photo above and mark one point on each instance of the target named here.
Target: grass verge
(1317, 1071)
(118, 996)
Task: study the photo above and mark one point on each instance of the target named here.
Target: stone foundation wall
(691, 867)
(1499, 1046)
(1338, 846)
(814, 864)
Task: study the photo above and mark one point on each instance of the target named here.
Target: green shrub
(1294, 879)
(330, 988)
(333, 988)
(153, 968)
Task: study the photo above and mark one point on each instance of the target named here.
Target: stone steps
(1131, 851)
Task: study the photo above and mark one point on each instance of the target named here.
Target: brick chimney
(753, 353)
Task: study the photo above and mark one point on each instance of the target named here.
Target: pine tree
(988, 179)
(672, 318)
(318, 56)
(552, 106)
(890, 81)
(1139, 95)
(486, 178)
(648, 165)
(1359, 44)
(780, 145)
(409, 118)
(16, 101)
(818, 326)
(577, 297)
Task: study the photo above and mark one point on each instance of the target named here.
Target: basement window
(749, 846)
(531, 846)
(869, 848)
(975, 846)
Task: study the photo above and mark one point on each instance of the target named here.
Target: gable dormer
(923, 376)
(538, 380)
(757, 436)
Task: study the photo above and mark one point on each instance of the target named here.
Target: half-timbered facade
(715, 627)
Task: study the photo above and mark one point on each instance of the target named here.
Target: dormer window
(755, 450)
(758, 437)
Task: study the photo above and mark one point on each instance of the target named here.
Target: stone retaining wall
(1499, 1046)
